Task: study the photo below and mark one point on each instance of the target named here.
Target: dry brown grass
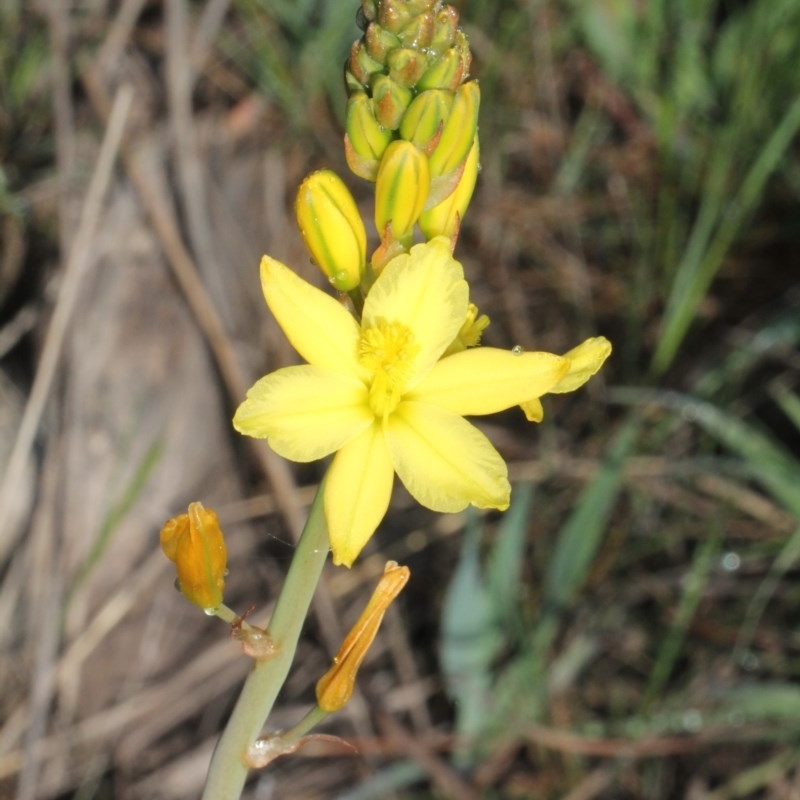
(140, 328)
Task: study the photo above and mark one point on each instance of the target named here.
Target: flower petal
(584, 361)
(534, 410)
(425, 290)
(319, 327)
(486, 380)
(305, 412)
(357, 493)
(445, 462)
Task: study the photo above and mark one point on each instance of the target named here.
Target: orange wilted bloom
(194, 541)
(335, 687)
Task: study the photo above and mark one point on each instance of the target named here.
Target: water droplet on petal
(517, 350)
(211, 612)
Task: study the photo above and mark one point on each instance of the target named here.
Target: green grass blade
(693, 586)
(695, 272)
(582, 534)
(504, 567)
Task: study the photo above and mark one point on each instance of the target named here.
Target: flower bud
(406, 66)
(369, 9)
(459, 130)
(362, 65)
(395, 15)
(445, 218)
(195, 543)
(448, 157)
(336, 686)
(418, 33)
(390, 101)
(379, 42)
(332, 228)
(401, 189)
(444, 29)
(445, 73)
(424, 120)
(365, 139)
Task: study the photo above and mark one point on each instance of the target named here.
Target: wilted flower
(194, 541)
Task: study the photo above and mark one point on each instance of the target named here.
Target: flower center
(387, 350)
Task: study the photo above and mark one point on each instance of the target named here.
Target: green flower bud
(351, 83)
(419, 32)
(406, 65)
(332, 228)
(462, 45)
(365, 138)
(369, 9)
(401, 189)
(455, 142)
(444, 29)
(423, 121)
(394, 15)
(362, 65)
(390, 101)
(446, 73)
(445, 219)
(380, 42)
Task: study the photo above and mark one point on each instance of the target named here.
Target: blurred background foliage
(629, 628)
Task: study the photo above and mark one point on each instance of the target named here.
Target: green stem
(228, 770)
(308, 723)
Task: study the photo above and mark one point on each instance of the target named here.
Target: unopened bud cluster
(411, 128)
(407, 80)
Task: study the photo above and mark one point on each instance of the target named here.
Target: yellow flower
(195, 543)
(336, 686)
(378, 395)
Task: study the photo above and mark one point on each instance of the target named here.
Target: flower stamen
(387, 350)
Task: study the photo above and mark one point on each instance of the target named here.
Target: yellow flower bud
(195, 543)
(365, 139)
(336, 686)
(445, 219)
(401, 189)
(332, 228)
